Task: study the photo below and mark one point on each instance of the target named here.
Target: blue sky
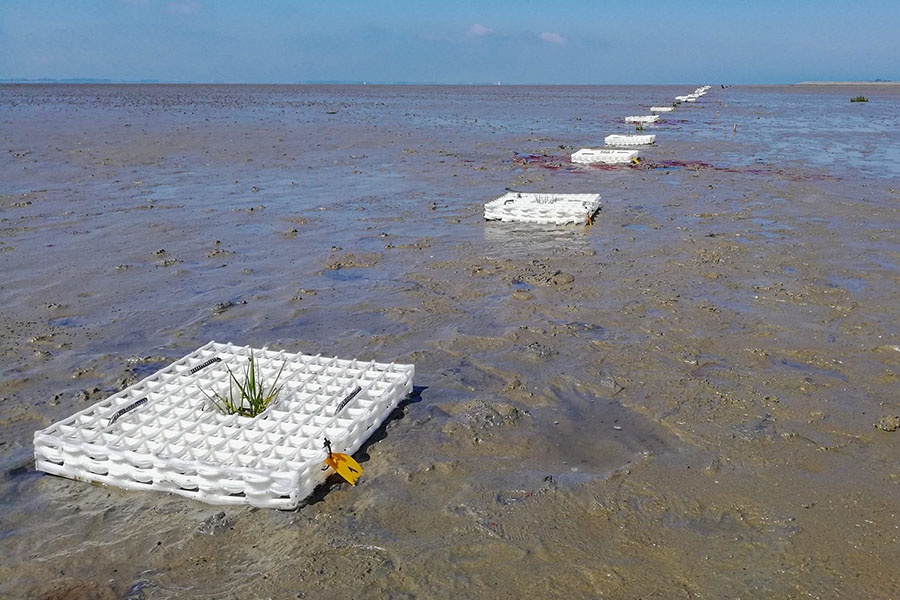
(454, 41)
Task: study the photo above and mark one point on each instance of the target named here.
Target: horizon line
(103, 81)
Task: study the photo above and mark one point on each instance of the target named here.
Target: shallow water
(677, 401)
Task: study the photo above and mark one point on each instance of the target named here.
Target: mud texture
(695, 397)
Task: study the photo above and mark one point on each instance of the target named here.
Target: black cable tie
(347, 400)
(200, 367)
(128, 408)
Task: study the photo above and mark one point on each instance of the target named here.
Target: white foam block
(603, 156)
(163, 433)
(551, 209)
(629, 140)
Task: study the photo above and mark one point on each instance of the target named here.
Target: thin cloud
(184, 8)
(478, 30)
(553, 38)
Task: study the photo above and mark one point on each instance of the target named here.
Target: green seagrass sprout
(251, 397)
(859, 99)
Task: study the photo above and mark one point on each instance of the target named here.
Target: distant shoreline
(848, 83)
(14, 81)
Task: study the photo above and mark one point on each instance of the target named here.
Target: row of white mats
(561, 209)
(613, 156)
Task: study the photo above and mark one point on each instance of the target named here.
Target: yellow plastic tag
(345, 466)
(635, 161)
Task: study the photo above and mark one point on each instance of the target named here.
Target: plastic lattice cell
(164, 434)
(662, 109)
(551, 209)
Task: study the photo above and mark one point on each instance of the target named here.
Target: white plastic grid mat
(642, 119)
(603, 156)
(629, 140)
(662, 109)
(163, 434)
(551, 209)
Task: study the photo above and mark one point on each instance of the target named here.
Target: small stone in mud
(610, 384)
(480, 417)
(78, 373)
(419, 244)
(542, 350)
(218, 252)
(168, 262)
(88, 394)
(122, 267)
(160, 252)
(216, 524)
(890, 423)
(147, 359)
(512, 497)
(522, 295)
(125, 380)
(221, 307)
(515, 384)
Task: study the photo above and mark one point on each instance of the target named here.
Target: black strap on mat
(202, 366)
(347, 400)
(128, 408)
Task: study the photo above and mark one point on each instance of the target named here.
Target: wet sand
(689, 399)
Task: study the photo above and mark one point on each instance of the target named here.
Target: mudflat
(695, 397)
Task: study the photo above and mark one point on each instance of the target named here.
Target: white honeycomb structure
(163, 433)
(603, 156)
(629, 140)
(550, 209)
(642, 119)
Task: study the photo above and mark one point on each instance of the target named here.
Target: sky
(453, 41)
